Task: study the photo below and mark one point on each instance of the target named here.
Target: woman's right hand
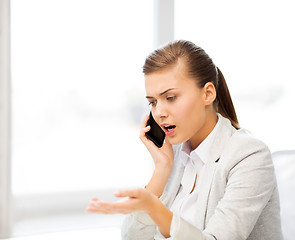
(163, 158)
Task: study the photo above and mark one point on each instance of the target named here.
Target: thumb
(167, 140)
(132, 193)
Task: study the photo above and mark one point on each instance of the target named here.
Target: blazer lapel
(174, 181)
(222, 136)
(202, 201)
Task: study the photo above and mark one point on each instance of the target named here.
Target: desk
(88, 234)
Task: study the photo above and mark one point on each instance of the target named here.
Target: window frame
(5, 121)
(163, 17)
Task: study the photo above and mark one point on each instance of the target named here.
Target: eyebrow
(162, 92)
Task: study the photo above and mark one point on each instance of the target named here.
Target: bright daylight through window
(252, 42)
(78, 100)
(78, 93)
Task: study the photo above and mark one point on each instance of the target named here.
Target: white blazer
(238, 198)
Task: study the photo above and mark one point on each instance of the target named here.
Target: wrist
(161, 215)
(158, 181)
(163, 169)
(164, 166)
(151, 208)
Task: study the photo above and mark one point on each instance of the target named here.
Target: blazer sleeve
(138, 226)
(250, 181)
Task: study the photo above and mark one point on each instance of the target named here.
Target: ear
(209, 93)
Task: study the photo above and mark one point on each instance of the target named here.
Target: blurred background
(78, 99)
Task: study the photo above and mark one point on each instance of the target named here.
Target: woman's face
(179, 106)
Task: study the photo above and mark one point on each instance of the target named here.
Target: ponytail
(224, 104)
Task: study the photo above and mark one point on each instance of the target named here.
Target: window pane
(78, 94)
(253, 45)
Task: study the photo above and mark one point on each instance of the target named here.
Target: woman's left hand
(132, 200)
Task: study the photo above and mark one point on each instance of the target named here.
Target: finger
(166, 141)
(144, 122)
(96, 206)
(142, 133)
(144, 125)
(94, 200)
(131, 193)
(97, 210)
(145, 130)
(147, 142)
(109, 208)
(92, 204)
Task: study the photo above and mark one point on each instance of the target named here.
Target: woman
(212, 180)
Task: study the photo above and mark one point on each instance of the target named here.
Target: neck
(208, 126)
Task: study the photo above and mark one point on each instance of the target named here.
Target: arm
(135, 200)
(163, 160)
(141, 223)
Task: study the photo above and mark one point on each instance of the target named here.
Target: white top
(193, 161)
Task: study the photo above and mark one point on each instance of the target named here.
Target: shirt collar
(202, 151)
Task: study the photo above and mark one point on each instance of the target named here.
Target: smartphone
(156, 133)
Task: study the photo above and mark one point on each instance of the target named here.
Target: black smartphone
(156, 133)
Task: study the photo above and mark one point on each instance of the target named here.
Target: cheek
(190, 116)
(188, 110)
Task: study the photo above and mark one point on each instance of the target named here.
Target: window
(252, 43)
(77, 99)
(78, 92)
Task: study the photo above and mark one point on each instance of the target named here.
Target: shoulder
(242, 142)
(246, 136)
(246, 151)
(238, 141)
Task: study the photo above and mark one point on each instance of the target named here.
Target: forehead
(172, 77)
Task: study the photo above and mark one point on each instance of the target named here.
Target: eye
(171, 98)
(152, 103)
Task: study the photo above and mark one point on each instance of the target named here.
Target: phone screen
(156, 133)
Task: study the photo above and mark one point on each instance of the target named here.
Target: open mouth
(169, 127)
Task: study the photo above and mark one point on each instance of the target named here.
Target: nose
(161, 112)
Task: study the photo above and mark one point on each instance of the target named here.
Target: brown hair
(200, 67)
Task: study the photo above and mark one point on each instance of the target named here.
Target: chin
(176, 141)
